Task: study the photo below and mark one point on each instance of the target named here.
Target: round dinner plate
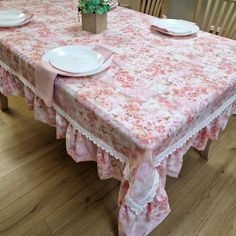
(50, 54)
(175, 27)
(76, 59)
(10, 18)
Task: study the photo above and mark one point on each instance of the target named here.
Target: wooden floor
(44, 192)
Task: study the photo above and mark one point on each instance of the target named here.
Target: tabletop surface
(157, 88)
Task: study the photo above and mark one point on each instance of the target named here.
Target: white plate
(46, 57)
(26, 21)
(176, 27)
(11, 17)
(194, 31)
(75, 59)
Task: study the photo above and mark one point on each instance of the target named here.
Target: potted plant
(94, 15)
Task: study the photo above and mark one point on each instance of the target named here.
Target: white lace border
(139, 207)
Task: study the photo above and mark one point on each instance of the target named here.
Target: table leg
(3, 102)
(205, 154)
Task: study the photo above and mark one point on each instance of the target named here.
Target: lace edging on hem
(137, 208)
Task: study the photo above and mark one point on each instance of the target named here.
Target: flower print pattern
(81, 149)
(157, 90)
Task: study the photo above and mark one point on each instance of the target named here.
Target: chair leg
(205, 154)
(3, 102)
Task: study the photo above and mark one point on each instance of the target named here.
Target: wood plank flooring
(44, 192)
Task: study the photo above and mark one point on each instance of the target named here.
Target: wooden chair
(151, 7)
(216, 16)
(124, 3)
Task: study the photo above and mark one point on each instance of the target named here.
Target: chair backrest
(216, 16)
(151, 7)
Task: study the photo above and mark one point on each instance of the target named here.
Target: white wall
(183, 9)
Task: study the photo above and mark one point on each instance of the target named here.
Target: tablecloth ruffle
(135, 218)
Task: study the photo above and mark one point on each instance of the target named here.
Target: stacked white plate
(13, 18)
(175, 27)
(76, 60)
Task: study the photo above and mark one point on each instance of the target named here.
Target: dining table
(138, 118)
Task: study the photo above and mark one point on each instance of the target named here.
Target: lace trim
(135, 207)
(139, 207)
(78, 127)
(203, 124)
(91, 137)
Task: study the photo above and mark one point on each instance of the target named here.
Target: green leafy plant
(99, 7)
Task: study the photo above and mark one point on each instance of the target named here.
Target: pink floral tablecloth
(137, 119)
